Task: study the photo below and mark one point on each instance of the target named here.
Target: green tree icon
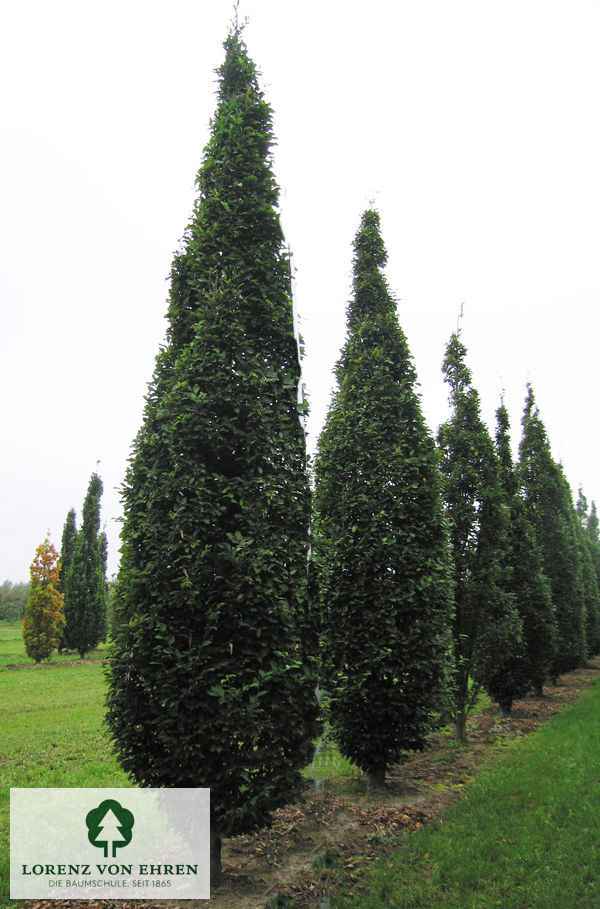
(109, 826)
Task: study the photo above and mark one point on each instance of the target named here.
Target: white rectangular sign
(110, 844)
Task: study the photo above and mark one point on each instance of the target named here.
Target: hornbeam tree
(213, 665)
(528, 583)
(487, 628)
(44, 619)
(381, 542)
(85, 582)
(550, 507)
(589, 577)
(67, 548)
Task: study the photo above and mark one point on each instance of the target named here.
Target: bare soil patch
(342, 827)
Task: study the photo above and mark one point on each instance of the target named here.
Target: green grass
(329, 764)
(51, 721)
(525, 836)
(12, 650)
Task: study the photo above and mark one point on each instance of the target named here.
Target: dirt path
(343, 827)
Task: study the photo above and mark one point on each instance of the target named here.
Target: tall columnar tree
(550, 506)
(67, 548)
(380, 536)
(213, 666)
(85, 582)
(591, 591)
(487, 627)
(44, 619)
(593, 534)
(528, 583)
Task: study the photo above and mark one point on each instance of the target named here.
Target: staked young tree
(528, 584)
(550, 508)
(213, 666)
(44, 619)
(380, 537)
(67, 548)
(85, 582)
(487, 628)
(591, 591)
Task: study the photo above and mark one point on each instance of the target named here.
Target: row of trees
(429, 571)
(67, 604)
(12, 600)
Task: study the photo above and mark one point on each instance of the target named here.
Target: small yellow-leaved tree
(44, 617)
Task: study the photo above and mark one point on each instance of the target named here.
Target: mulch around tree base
(340, 828)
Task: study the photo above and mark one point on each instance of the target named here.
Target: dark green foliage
(212, 669)
(551, 511)
(380, 535)
(528, 583)
(67, 548)
(487, 627)
(85, 581)
(13, 598)
(591, 592)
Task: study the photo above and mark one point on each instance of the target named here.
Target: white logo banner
(128, 844)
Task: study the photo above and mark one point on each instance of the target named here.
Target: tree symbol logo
(109, 827)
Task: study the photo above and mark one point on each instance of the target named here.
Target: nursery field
(519, 813)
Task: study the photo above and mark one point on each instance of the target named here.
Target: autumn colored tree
(69, 539)
(487, 628)
(381, 542)
(213, 667)
(85, 582)
(531, 663)
(551, 510)
(44, 619)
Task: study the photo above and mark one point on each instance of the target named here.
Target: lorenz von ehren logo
(110, 827)
(125, 843)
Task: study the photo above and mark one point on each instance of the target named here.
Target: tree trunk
(505, 709)
(216, 872)
(461, 727)
(538, 690)
(377, 778)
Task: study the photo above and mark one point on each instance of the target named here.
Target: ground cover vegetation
(430, 574)
(526, 834)
(323, 843)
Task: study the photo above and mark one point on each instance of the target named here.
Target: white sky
(472, 125)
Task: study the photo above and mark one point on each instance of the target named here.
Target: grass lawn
(52, 735)
(526, 835)
(12, 650)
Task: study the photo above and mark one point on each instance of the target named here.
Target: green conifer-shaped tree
(213, 666)
(591, 591)
(380, 536)
(593, 533)
(529, 585)
(85, 584)
(550, 508)
(487, 628)
(67, 548)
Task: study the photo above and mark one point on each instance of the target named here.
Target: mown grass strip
(12, 650)
(52, 735)
(526, 835)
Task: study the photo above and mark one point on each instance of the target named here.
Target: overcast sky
(472, 126)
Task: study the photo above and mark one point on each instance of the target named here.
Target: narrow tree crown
(214, 645)
(380, 535)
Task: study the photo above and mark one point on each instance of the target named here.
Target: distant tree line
(424, 571)
(12, 600)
